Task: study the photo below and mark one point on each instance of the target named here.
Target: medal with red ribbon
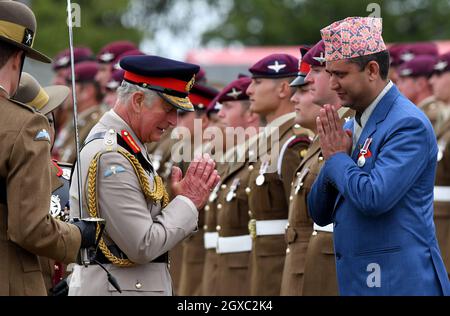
(364, 153)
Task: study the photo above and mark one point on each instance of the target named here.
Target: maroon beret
(201, 95)
(275, 66)
(417, 67)
(418, 49)
(62, 59)
(443, 63)
(111, 51)
(235, 91)
(85, 71)
(395, 51)
(115, 80)
(316, 55)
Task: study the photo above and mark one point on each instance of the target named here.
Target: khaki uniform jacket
(65, 149)
(193, 251)
(26, 228)
(232, 217)
(210, 286)
(442, 208)
(435, 111)
(310, 265)
(140, 228)
(270, 201)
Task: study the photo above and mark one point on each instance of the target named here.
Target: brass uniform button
(250, 213)
(138, 285)
(288, 250)
(219, 206)
(250, 168)
(218, 228)
(248, 190)
(223, 186)
(205, 227)
(207, 208)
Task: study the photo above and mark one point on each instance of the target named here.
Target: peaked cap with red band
(303, 69)
(171, 79)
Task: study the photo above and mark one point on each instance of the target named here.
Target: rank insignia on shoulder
(42, 135)
(130, 141)
(114, 170)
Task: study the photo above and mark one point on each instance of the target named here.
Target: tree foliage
(101, 23)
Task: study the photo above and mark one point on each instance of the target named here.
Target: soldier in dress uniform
(210, 285)
(234, 243)
(26, 228)
(107, 58)
(441, 81)
(193, 256)
(141, 224)
(414, 83)
(61, 68)
(46, 101)
(88, 99)
(273, 166)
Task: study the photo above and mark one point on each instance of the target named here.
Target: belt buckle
(252, 228)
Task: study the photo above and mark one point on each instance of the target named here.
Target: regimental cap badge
(321, 59)
(234, 93)
(28, 37)
(277, 66)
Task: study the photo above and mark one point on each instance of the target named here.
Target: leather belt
(100, 257)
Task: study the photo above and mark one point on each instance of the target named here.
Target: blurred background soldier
(107, 58)
(89, 97)
(231, 213)
(270, 179)
(414, 82)
(441, 82)
(61, 69)
(26, 229)
(46, 101)
(193, 256)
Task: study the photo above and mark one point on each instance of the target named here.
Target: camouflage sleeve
(29, 190)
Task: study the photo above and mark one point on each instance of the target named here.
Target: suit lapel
(378, 115)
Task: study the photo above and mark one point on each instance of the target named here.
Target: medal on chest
(364, 153)
(262, 170)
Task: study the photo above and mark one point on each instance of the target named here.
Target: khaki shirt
(26, 228)
(65, 149)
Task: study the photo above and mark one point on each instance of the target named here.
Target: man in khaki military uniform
(141, 224)
(46, 101)
(193, 256)
(88, 99)
(441, 81)
(233, 242)
(319, 270)
(26, 228)
(414, 83)
(273, 165)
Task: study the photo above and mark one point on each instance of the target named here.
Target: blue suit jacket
(384, 233)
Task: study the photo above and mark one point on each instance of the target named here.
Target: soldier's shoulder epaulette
(22, 105)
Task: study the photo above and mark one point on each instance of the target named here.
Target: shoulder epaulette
(31, 109)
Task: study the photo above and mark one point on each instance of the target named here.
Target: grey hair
(126, 89)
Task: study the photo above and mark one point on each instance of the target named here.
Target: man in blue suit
(376, 185)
